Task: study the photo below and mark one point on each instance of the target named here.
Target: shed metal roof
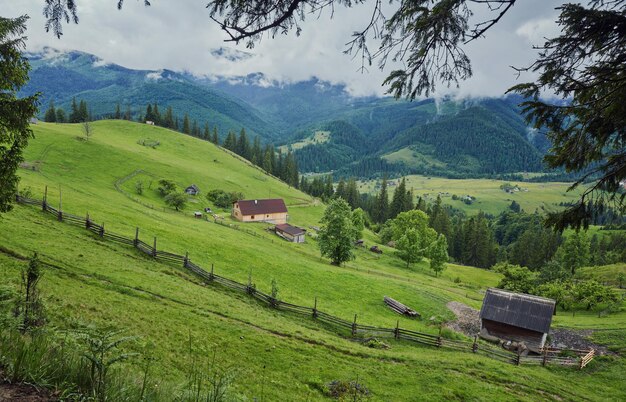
(258, 207)
(518, 309)
(292, 230)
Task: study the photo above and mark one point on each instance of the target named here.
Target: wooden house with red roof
(269, 210)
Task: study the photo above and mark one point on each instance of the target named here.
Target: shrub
(223, 199)
(166, 187)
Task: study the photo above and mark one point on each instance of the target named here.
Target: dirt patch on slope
(467, 319)
(24, 393)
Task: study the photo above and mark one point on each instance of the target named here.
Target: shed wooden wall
(533, 339)
(276, 218)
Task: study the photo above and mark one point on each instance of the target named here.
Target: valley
(272, 355)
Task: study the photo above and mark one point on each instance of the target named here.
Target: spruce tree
(243, 144)
(267, 159)
(149, 114)
(256, 153)
(216, 138)
(206, 134)
(329, 191)
(186, 126)
(381, 209)
(74, 113)
(340, 192)
(195, 130)
(156, 115)
(118, 112)
(352, 193)
(83, 113)
(168, 120)
(51, 114)
(128, 115)
(398, 201)
(230, 142)
(60, 117)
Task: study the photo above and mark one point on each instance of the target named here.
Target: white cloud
(179, 35)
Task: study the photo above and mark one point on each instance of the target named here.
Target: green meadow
(276, 356)
(489, 197)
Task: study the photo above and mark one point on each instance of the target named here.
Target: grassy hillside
(277, 356)
(490, 198)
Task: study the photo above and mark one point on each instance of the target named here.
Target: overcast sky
(178, 35)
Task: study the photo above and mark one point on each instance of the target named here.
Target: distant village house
(516, 317)
(192, 190)
(292, 233)
(269, 210)
(149, 122)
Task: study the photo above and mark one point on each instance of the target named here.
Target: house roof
(257, 207)
(518, 309)
(194, 187)
(292, 230)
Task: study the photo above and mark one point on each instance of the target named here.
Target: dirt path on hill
(467, 320)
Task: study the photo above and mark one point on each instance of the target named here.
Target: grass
(541, 197)
(318, 137)
(412, 157)
(278, 357)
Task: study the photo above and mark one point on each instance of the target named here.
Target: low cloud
(180, 36)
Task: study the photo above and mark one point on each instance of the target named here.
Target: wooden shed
(516, 317)
(269, 210)
(291, 233)
(192, 190)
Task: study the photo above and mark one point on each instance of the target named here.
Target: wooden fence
(558, 356)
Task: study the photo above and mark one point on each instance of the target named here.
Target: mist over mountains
(325, 127)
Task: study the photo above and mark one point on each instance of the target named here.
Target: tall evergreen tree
(60, 118)
(129, 114)
(267, 159)
(186, 125)
(256, 152)
(51, 114)
(216, 138)
(341, 192)
(243, 144)
(168, 119)
(329, 191)
(381, 209)
(206, 133)
(83, 113)
(74, 113)
(230, 142)
(352, 193)
(195, 130)
(149, 114)
(157, 115)
(399, 200)
(118, 112)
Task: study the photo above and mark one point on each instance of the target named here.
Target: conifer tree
(195, 130)
(230, 142)
(243, 144)
(51, 114)
(329, 191)
(267, 159)
(74, 113)
(381, 206)
(256, 153)
(206, 134)
(149, 114)
(168, 120)
(83, 113)
(438, 254)
(340, 192)
(186, 126)
(118, 112)
(398, 201)
(352, 193)
(60, 117)
(156, 114)
(128, 115)
(216, 138)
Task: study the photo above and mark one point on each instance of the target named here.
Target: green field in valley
(276, 356)
(489, 197)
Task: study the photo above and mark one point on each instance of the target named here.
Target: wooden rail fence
(581, 359)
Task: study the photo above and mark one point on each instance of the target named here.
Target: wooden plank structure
(400, 308)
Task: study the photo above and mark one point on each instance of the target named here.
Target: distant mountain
(325, 127)
(64, 75)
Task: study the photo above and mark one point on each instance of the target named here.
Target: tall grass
(90, 366)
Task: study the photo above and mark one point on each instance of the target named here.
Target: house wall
(533, 339)
(277, 218)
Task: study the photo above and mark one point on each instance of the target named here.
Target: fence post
(87, 222)
(136, 240)
(186, 260)
(354, 326)
(154, 248)
(475, 344)
(396, 332)
(544, 360)
(60, 213)
(44, 203)
(315, 309)
(212, 276)
(518, 358)
(102, 230)
(249, 288)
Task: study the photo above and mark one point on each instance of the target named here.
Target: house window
(267, 216)
(252, 216)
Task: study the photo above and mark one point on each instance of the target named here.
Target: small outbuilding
(516, 317)
(192, 190)
(269, 210)
(292, 233)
